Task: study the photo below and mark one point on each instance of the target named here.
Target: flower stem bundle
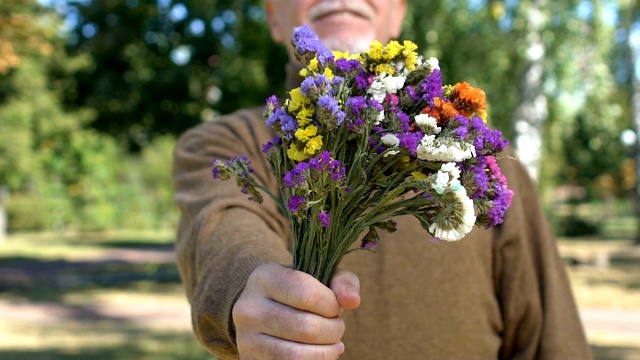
(369, 137)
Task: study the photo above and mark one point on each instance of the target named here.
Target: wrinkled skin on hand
(287, 314)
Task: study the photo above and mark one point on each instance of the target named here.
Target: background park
(93, 94)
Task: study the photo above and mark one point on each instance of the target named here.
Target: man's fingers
(274, 348)
(299, 290)
(346, 286)
(300, 326)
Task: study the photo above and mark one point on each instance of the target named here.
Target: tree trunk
(532, 111)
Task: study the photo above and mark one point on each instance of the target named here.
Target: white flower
(427, 123)
(393, 83)
(377, 90)
(390, 140)
(465, 217)
(391, 153)
(452, 169)
(433, 63)
(436, 149)
(441, 182)
(447, 179)
(379, 118)
(383, 85)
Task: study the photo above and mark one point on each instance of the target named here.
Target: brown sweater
(500, 293)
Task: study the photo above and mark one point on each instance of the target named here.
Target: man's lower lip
(344, 14)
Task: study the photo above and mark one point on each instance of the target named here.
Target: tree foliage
(163, 67)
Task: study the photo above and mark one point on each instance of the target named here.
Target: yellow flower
(311, 68)
(313, 145)
(337, 54)
(411, 61)
(345, 55)
(295, 154)
(297, 100)
(483, 115)
(392, 50)
(375, 51)
(418, 175)
(385, 68)
(328, 73)
(409, 47)
(305, 114)
(307, 133)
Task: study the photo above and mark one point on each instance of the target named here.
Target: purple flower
(346, 66)
(306, 41)
(270, 144)
(503, 195)
(355, 125)
(363, 81)
(331, 105)
(431, 87)
(410, 140)
(297, 203)
(411, 91)
(324, 218)
(356, 105)
(280, 118)
(272, 102)
(288, 124)
(501, 203)
(486, 139)
(314, 87)
(296, 177)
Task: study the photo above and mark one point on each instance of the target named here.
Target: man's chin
(354, 44)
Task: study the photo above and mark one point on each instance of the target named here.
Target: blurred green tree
(162, 67)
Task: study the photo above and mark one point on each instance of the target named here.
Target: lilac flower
(363, 81)
(356, 105)
(431, 87)
(331, 105)
(280, 118)
(376, 105)
(314, 87)
(345, 66)
(480, 177)
(487, 140)
(355, 125)
(371, 240)
(306, 41)
(288, 124)
(503, 195)
(296, 177)
(410, 140)
(297, 203)
(272, 102)
(324, 218)
(270, 144)
(411, 91)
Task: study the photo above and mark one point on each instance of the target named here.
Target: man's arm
(222, 236)
(224, 245)
(541, 319)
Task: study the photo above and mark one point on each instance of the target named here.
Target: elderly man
(499, 293)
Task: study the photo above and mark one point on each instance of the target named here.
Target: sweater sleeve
(223, 236)
(541, 319)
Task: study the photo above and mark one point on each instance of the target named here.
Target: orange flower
(441, 110)
(469, 100)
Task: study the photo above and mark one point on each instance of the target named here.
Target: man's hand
(287, 314)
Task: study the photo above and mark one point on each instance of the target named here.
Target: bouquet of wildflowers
(371, 136)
